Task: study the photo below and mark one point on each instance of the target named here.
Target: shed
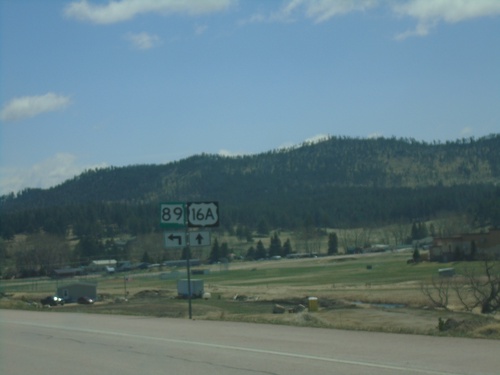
(446, 272)
(197, 288)
(100, 265)
(71, 292)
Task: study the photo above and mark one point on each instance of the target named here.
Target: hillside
(339, 181)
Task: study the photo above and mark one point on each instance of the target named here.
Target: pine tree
(251, 253)
(416, 254)
(263, 227)
(224, 251)
(287, 247)
(146, 258)
(215, 253)
(275, 248)
(260, 252)
(333, 244)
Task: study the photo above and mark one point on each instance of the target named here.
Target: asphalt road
(52, 342)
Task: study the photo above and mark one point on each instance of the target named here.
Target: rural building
(466, 246)
(197, 288)
(68, 272)
(71, 292)
(101, 265)
(182, 263)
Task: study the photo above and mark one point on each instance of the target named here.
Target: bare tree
(481, 290)
(357, 237)
(39, 254)
(400, 232)
(438, 291)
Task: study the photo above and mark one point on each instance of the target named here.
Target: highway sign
(199, 238)
(172, 214)
(176, 239)
(203, 214)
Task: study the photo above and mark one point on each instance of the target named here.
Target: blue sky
(89, 84)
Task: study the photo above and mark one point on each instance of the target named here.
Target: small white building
(71, 292)
(101, 265)
(197, 288)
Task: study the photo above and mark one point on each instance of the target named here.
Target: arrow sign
(175, 239)
(199, 238)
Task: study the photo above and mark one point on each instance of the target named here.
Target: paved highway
(52, 342)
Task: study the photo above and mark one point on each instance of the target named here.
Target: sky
(89, 84)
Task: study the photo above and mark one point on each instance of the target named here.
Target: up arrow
(199, 238)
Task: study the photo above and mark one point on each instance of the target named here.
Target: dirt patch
(338, 313)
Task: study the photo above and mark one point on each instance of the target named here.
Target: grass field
(378, 292)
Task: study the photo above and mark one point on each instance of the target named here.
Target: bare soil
(395, 307)
(351, 311)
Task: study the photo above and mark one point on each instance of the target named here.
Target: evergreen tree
(89, 248)
(215, 253)
(287, 247)
(251, 253)
(260, 252)
(333, 244)
(275, 248)
(224, 251)
(240, 232)
(263, 227)
(146, 258)
(416, 254)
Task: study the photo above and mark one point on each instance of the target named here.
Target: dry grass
(392, 300)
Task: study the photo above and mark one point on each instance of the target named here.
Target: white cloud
(467, 131)
(31, 106)
(200, 29)
(124, 10)
(429, 13)
(143, 41)
(287, 146)
(311, 140)
(47, 173)
(323, 10)
(374, 136)
(227, 153)
(317, 138)
(317, 10)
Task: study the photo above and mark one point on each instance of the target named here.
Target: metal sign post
(188, 266)
(177, 215)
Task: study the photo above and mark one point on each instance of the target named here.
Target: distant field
(368, 292)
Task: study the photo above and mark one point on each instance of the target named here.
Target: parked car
(85, 300)
(52, 301)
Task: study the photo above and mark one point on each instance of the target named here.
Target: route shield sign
(173, 214)
(203, 214)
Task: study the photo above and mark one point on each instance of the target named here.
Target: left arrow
(174, 239)
(178, 238)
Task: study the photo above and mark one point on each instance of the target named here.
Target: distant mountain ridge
(280, 181)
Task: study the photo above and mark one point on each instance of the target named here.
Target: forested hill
(334, 179)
